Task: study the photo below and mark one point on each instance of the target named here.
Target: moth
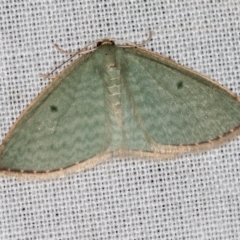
(119, 101)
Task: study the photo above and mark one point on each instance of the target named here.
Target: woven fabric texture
(195, 196)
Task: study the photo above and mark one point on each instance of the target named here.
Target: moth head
(105, 41)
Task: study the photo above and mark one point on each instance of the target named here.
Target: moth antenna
(147, 40)
(64, 51)
(72, 55)
(130, 44)
(46, 76)
(85, 51)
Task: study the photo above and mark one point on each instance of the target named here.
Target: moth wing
(170, 105)
(64, 125)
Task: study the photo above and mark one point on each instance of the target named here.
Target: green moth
(119, 101)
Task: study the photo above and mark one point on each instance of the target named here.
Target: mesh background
(192, 197)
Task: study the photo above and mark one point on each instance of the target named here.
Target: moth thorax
(113, 85)
(114, 89)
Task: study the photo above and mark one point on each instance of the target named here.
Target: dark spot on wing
(53, 108)
(180, 85)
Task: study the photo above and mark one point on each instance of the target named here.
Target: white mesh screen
(191, 197)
